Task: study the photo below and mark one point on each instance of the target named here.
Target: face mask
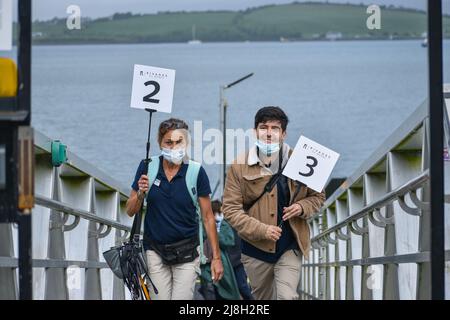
(218, 216)
(268, 148)
(219, 219)
(173, 155)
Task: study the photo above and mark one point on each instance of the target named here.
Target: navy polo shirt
(287, 240)
(171, 214)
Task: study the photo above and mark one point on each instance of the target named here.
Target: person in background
(234, 253)
(227, 288)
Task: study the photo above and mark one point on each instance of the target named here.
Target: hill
(296, 21)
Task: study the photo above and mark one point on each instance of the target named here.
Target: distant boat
(425, 43)
(194, 40)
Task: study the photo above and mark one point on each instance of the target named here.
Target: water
(349, 96)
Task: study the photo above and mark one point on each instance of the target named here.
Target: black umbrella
(128, 263)
(128, 260)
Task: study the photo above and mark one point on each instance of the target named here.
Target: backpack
(191, 184)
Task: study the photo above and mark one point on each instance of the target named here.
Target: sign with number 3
(311, 164)
(152, 88)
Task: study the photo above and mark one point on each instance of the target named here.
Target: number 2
(148, 98)
(310, 166)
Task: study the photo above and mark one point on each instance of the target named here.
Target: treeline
(290, 22)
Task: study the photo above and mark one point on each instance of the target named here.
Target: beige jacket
(245, 181)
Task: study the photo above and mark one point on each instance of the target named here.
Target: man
(272, 224)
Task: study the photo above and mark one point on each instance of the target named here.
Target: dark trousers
(209, 291)
(241, 279)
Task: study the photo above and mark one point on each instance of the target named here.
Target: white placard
(311, 164)
(152, 88)
(6, 25)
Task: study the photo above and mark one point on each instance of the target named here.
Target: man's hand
(293, 211)
(216, 270)
(273, 233)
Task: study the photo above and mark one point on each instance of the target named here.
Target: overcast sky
(47, 9)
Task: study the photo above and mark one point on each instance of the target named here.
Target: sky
(47, 9)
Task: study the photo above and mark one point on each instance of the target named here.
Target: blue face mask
(268, 148)
(173, 155)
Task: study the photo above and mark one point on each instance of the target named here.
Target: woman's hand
(134, 202)
(216, 270)
(143, 184)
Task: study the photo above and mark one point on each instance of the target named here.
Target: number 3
(147, 98)
(310, 166)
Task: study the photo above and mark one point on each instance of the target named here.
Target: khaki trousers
(277, 281)
(175, 282)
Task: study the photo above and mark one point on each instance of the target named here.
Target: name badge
(157, 182)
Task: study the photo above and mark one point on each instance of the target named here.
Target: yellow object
(8, 78)
(144, 288)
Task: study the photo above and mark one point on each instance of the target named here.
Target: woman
(171, 219)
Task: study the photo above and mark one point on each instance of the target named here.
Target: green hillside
(296, 21)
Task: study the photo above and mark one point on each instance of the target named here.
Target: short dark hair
(168, 125)
(216, 206)
(271, 113)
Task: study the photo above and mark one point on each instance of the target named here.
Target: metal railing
(79, 213)
(371, 239)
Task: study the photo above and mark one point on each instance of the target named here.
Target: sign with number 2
(152, 88)
(311, 164)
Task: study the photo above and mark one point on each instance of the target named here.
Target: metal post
(225, 106)
(436, 115)
(25, 258)
(221, 176)
(24, 59)
(223, 124)
(24, 104)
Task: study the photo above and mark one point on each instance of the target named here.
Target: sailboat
(425, 43)
(425, 40)
(194, 40)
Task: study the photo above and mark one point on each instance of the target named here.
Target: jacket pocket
(253, 186)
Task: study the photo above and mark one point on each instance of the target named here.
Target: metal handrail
(382, 202)
(60, 206)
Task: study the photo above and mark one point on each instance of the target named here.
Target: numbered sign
(6, 23)
(311, 164)
(152, 88)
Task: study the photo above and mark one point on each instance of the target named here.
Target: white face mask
(173, 155)
(218, 216)
(268, 148)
